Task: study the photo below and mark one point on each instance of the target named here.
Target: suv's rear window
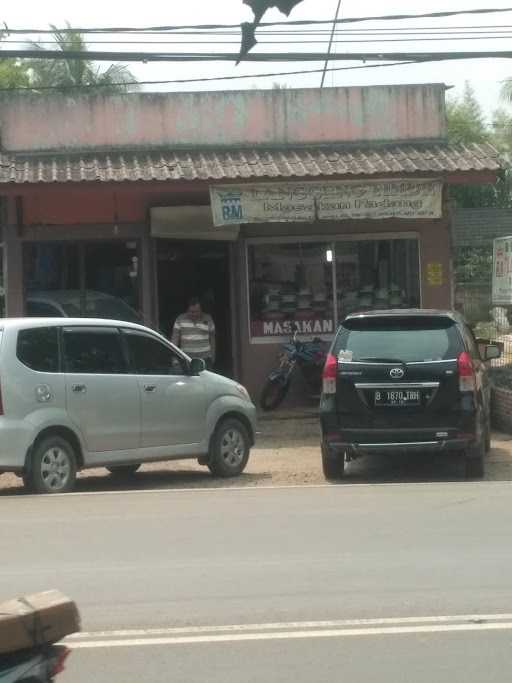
(407, 339)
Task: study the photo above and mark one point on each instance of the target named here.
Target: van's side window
(38, 348)
(150, 356)
(94, 351)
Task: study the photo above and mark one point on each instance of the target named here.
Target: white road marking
(266, 487)
(292, 635)
(287, 625)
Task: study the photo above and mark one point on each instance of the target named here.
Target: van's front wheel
(53, 466)
(230, 449)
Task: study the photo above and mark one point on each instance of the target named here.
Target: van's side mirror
(492, 352)
(197, 366)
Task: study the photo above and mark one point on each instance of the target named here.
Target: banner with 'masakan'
(327, 201)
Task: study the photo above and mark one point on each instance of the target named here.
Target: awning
(189, 223)
(254, 163)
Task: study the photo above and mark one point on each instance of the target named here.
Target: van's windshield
(399, 339)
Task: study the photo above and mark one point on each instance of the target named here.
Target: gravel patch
(288, 454)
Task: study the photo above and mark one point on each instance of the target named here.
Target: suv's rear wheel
(230, 449)
(475, 459)
(333, 465)
(53, 466)
(488, 435)
(123, 470)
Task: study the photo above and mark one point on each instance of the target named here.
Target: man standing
(194, 333)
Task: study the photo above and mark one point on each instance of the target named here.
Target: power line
(329, 49)
(437, 30)
(302, 72)
(418, 39)
(100, 56)
(304, 22)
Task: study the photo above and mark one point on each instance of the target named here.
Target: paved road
(179, 575)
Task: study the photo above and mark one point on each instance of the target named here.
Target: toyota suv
(79, 393)
(412, 381)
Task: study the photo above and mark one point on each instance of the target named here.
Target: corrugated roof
(247, 164)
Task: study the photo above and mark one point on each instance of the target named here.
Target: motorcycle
(308, 357)
(39, 665)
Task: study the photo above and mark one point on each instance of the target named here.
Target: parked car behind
(405, 381)
(78, 393)
(73, 303)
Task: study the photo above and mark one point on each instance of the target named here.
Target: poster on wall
(311, 201)
(502, 272)
(435, 277)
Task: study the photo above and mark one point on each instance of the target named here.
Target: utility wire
(329, 49)
(100, 56)
(35, 89)
(419, 39)
(304, 22)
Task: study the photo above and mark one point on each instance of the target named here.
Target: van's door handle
(150, 388)
(78, 388)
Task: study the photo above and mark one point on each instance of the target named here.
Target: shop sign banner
(279, 328)
(328, 201)
(502, 272)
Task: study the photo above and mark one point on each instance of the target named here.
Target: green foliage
(467, 125)
(13, 74)
(474, 264)
(65, 73)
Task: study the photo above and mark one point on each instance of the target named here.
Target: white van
(78, 393)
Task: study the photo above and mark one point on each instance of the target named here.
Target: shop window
(92, 280)
(291, 286)
(294, 285)
(377, 274)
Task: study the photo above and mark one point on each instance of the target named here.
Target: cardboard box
(34, 620)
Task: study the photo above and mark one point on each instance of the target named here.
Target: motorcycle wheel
(273, 394)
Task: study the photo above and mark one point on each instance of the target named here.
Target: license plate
(397, 397)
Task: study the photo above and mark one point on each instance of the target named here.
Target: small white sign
(345, 356)
(502, 272)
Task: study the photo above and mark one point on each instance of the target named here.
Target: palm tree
(13, 72)
(68, 72)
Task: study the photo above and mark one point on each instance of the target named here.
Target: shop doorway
(193, 268)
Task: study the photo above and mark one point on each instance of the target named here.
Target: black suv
(405, 381)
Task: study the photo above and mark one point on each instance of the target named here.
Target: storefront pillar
(149, 304)
(13, 261)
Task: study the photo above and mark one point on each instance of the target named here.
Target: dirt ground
(287, 454)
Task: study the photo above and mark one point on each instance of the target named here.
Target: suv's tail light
(466, 372)
(329, 375)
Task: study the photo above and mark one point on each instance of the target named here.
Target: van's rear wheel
(230, 449)
(53, 466)
(333, 465)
